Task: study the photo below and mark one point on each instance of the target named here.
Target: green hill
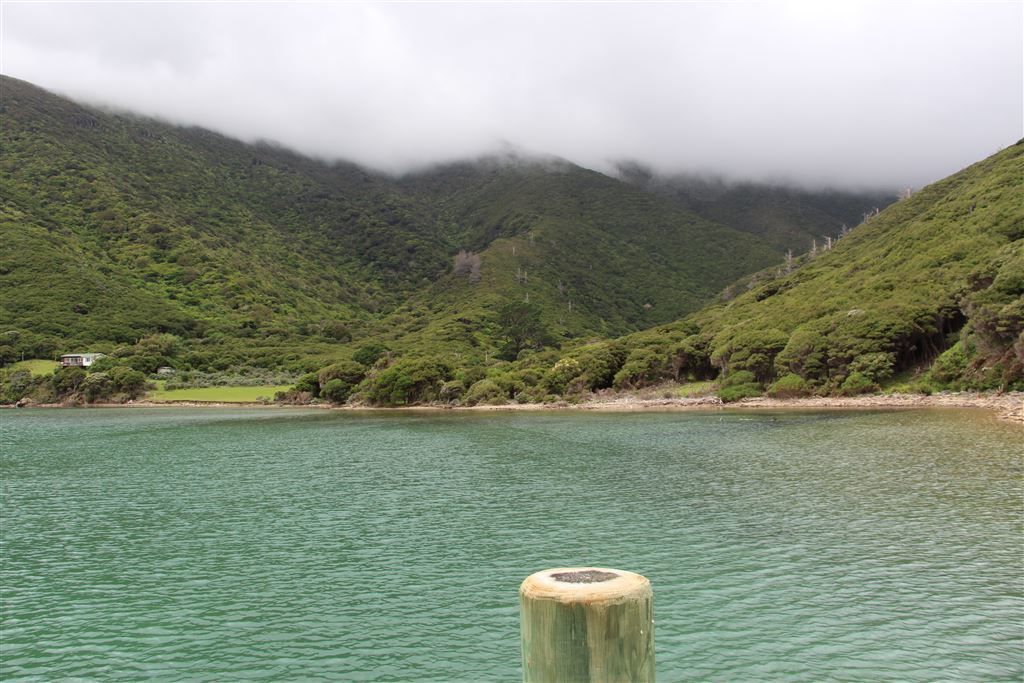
(480, 281)
(935, 282)
(928, 293)
(597, 257)
(117, 228)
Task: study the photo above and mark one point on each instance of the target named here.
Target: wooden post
(587, 624)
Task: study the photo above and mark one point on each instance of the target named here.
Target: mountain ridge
(219, 240)
(162, 245)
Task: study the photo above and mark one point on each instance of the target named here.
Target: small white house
(82, 360)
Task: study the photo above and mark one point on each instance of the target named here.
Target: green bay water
(221, 545)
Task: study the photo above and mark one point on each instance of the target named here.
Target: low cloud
(818, 93)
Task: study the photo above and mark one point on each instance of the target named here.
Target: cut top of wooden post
(584, 585)
(587, 625)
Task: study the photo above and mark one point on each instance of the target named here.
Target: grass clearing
(674, 390)
(218, 394)
(36, 366)
(691, 389)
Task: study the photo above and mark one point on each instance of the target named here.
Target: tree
(335, 382)
(67, 380)
(336, 391)
(521, 328)
(690, 357)
(127, 381)
(308, 384)
(368, 354)
(752, 350)
(338, 330)
(805, 354)
(349, 372)
(97, 386)
(643, 366)
(408, 381)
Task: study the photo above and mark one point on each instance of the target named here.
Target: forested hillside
(504, 278)
(928, 293)
(118, 227)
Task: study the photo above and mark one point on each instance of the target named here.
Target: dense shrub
(68, 380)
(735, 393)
(17, 385)
(599, 364)
(789, 386)
(125, 380)
(167, 345)
(293, 397)
(690, 359)
(236, 376)
(877, 366)
(527, 377)
(369, 353)
(557, 379)
(452, 391)
(22, 343)
(469, 375)
(510, 383)
(993, 340)
(336, 391)
(922, 386)
(643, 366)
(805, 354)
(309, 383)
(751, 350)
(738, 377)
(857, 383)
(408, 381)
(96, 386)
(349, 372)
(737, 385)
(521, 328)
(105, 363)
(484, 391)
(950, 366)
(337, 330)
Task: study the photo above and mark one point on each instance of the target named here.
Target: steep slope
(596, 256)
(243, 241)
(786, 217)
(935, 277)
(928, 294)
(118, 227)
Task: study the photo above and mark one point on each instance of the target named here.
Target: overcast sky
(887, 94)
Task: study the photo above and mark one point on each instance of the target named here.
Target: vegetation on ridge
(119, 228)
(486, 282)
(935, 281)
(929, 291)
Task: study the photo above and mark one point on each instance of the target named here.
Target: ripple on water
(256, 545)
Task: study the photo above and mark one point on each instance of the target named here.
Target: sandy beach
(1008, 406)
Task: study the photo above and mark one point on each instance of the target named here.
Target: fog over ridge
(838, 94)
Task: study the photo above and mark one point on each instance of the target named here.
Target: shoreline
(1008, 406)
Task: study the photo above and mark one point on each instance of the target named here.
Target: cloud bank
(813, 92)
